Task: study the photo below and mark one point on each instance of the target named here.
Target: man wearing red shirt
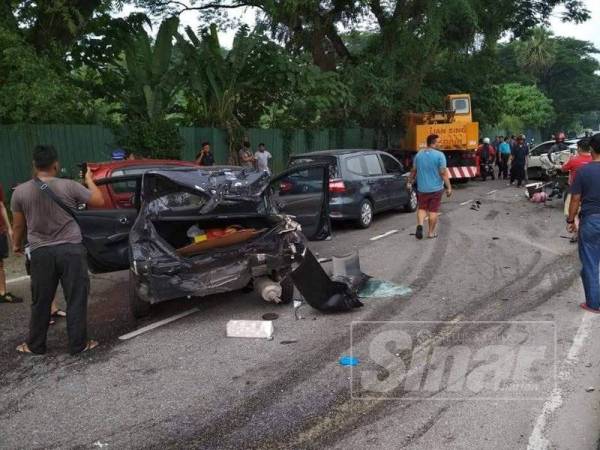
(582, 158)
(5, 232)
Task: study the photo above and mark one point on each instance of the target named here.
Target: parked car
(534, 164)
(121, 194)
(362, 183)
(150, 234)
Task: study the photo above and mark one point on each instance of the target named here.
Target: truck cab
(460, 104)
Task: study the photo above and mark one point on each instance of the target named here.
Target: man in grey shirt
(57, 253)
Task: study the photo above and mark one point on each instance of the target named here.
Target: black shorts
(3, 246)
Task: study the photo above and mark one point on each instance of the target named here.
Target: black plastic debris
(320, 291)
(270, 316)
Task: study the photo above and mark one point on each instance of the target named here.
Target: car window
(127, 187)
(541, 149)
(354, 165)
(373, 165)
(390, 164)
(332, 161)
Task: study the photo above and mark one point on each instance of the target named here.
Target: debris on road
(349, 361)
(292, 341)
(260, 329)
(382, 289)
(320, 291)
(590, 389)
(270, 316)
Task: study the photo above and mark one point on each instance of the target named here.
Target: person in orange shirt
(574, 163)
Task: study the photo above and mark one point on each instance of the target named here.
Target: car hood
(216, 184)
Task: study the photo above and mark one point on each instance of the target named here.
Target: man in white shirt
(262, 157)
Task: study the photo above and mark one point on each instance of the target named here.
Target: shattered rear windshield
(171, 198)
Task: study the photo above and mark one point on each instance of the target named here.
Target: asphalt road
(185, 385)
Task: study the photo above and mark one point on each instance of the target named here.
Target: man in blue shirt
(504, 156)
(585, 193)
(431, 173)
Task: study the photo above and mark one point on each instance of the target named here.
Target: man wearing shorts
(5, 233)
(430, 171)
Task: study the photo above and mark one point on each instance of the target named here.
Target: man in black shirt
(205, 156)
(518, 158)
(585, 193)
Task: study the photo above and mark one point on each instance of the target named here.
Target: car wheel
(287, 290)
(411, 205)
(366, 214)
(139, 308)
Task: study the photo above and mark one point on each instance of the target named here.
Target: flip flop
(24, 349)
(587, 308)
(58, 313)
(91, 344)
(10, 298)
(432, 237)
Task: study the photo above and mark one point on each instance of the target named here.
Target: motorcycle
(556, 186)
(487, 170)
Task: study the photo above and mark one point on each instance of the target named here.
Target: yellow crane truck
(459, 136)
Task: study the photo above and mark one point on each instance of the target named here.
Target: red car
(120, 193)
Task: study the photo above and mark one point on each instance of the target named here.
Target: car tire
(411, 205)
(287, 290)
(365, 218)
(139, 308)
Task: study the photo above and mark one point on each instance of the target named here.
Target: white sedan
(534, 164)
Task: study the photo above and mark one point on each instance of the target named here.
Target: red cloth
(430, 201)
(3, 224)
(491, 152)
(574, 163)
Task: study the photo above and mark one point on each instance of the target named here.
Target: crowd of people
(506, 153)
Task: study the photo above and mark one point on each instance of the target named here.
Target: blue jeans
(589, 253)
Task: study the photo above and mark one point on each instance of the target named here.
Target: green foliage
(33, 89)
(527, 104)
(158, 139)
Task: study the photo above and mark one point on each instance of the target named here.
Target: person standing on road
(518, 159)
(503, 158)
(487, 156)
(585, 194)
(431, 174)
(245, 155)
(582, 158)
(57, 253)
(262, 157)
(5, 237)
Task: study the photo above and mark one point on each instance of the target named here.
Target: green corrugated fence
(92, 143)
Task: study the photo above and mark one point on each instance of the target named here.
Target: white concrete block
(261, 329)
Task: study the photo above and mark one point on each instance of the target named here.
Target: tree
(526, 105)
(537, 54)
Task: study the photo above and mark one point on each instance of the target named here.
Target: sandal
(58, 313)
(24, 349)
(432, 236)
(91, 344)
(419, 232)
(10, 298)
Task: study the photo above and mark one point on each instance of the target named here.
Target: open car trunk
(219, 233)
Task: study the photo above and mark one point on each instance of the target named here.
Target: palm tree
(537, 54)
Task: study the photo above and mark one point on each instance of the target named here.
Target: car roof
(132, 163)
(336, 152)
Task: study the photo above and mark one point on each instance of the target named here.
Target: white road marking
(464, 203)
(381, 236)
(16, 280)
(491, 192)
(152, 326)
(537, 440)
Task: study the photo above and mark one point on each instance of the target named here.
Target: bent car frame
(260, 228)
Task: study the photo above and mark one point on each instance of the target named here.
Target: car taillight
(285, 186)
(337, 186)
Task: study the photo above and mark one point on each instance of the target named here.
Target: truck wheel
(366, 214)
(139, 308)
(287, 290)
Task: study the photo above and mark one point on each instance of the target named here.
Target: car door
(106, 231)
(376, 181)
(398, 194)
(303, 192)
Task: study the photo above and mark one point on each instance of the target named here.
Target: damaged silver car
(199, 231)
